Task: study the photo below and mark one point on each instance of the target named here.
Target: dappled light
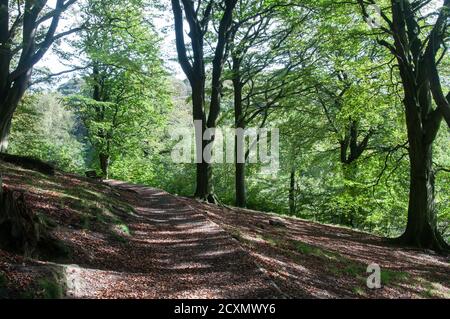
(232, 149)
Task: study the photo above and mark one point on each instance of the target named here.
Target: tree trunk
(292, 204)
(195, 71)
(22, 231)
(204, 189)
(241, 197)
(5, 126)
(104, 164)
(6, 114)
(421, 230)
(9, 100)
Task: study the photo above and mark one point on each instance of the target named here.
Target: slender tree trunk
(100, 114)
(292, 204)
(104, 164)
(240, 188)
(204, 189)
(195, 71)
(241, 197)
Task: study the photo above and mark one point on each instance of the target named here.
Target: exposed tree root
(21, 230)
(434, 243)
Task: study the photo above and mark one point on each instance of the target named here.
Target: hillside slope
(128, 241)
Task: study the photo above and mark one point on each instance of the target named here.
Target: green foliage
(390, 277)
(124, 229)
(125, 104)
(125, 96)
(42, 127)
(316, 251)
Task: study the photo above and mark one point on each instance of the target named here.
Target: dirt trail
(128, 241)
(173, 252)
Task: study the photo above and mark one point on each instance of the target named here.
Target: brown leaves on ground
(128, 241)
(311, 260)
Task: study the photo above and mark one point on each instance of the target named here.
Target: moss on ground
(51, 285)
(392, 277)
(339, 265)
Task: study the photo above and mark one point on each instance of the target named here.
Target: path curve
(174, 252)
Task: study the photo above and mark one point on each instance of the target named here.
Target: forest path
(129, 241)
(172, 252)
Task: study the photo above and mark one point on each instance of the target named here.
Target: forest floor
(129, 241)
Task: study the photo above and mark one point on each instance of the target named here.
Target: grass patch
(124, 229)
(120, 233)
(304, 249)
(431, 290)
(428, 293)
(50, 288)
(51, 285)
(355, 270)
(307, 249)
(273, 241)
(348, 268)
(97, 214)
(390, 277)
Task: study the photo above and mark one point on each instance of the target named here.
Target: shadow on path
(172, 252)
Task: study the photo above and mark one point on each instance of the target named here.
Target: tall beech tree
(249, 31)
(354, 92)
(263, 63)
(126, 86)
(199, 15)
(416, 40)
(27, 30)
